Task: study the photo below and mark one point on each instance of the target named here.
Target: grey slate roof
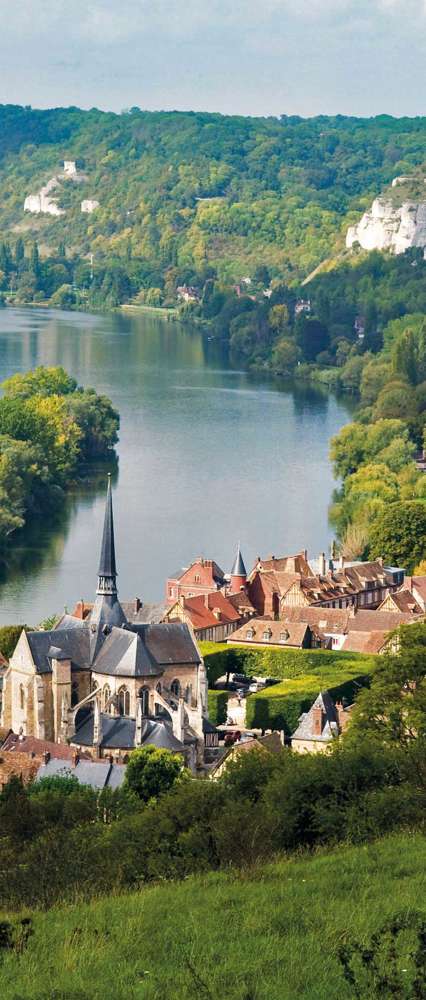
(134, 651)
(97, 774)
(107, 566)
(238, 568)
(72, 639)
(304, 730)
(147, 614)
(118, 733)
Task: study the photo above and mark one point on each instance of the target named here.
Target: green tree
(286, 355)
(393, 709)
(41, 381)
(152, 771)
(398, 533)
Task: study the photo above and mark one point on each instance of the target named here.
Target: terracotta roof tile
(280, 633)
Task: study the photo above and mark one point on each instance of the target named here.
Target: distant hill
(180, 189)
(272, 932)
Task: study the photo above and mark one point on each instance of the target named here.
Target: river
(207, 456)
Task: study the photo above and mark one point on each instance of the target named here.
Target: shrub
(218, 706)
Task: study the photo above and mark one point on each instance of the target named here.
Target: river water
(207, 456)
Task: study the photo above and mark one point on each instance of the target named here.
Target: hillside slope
(269, 934)
(191, 189)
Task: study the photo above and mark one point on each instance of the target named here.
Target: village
(114, 676)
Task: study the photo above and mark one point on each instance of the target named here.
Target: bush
(218, 706)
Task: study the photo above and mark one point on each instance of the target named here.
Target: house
(320, 725)
(105, 684)
(264, 632)
(401, 601)
(416, 585)
(98, 774)
(21, 756)
(276, 584)
(341, 626)
(203, 576)
(212, 617)
(186, 293)
(271, 743)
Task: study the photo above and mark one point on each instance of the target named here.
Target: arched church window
(144, 695)
(175, 688)
(124, 701)
(107, 695)
(188, 694)
(74, 694)
(22, 697)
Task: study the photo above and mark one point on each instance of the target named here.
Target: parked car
(242, 679)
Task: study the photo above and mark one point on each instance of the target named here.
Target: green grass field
(272, 933)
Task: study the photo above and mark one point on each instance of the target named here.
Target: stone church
(105, 683)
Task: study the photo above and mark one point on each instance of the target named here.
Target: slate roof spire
(107, 572)
(238, 568)
(107, 611)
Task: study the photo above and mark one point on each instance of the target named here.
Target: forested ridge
(191, 190)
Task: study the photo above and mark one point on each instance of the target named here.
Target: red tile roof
(201, 610)
(30, 744)
(280, 633)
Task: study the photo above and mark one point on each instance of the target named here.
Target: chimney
(46, 757)
(317, 721)
(341, 562)
(342, 716)
(137, 604)
(322, 564)
(206, 602)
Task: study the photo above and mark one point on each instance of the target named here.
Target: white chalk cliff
(389, 227)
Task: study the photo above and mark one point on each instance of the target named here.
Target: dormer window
(250, 633)
(267, 635)
(284, 635)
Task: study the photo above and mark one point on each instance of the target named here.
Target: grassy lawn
(272, 933)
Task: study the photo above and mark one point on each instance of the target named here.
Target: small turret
(238, 573)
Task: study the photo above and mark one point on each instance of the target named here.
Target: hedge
(218, 706)
(221, 658)
(281, 706)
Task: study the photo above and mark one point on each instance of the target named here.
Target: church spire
(107, 611)
(107, 572)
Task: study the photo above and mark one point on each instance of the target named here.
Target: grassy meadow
(270, 933)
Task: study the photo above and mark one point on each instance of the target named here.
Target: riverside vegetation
(50, 428)
(226, 849)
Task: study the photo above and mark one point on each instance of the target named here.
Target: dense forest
(184, 197)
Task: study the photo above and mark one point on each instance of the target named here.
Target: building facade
(105, 684)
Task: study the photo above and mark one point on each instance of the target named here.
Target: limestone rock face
(387, 227)
(44, 202)
(89, 205)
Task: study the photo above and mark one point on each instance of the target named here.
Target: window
(175, 688)
(250, 633)
(22, 697)
(144, 696)
(188, 694)
(124, 701)
(284, 636)
(197, 578)
(267, 635)
(107, 695)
